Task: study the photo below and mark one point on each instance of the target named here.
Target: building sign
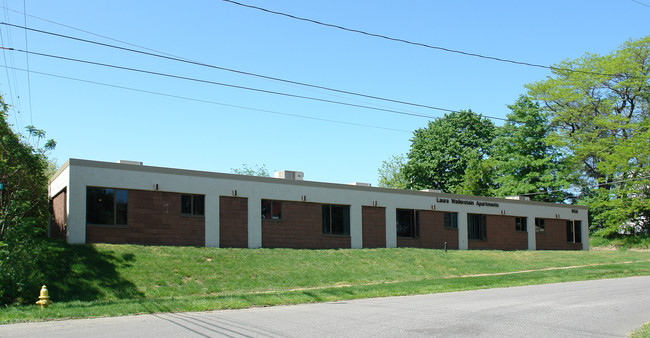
(467, 202)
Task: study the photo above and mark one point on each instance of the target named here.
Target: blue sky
(99, 122)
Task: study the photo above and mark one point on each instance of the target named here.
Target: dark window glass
(121, 204)
(198, 205)
(106, 206)
(476, 226)
(271, 209)
(186, 204)
(277, 210)
(451, 220)
(539, 225)
(327, 211)
(267, 205)
(521, 223)
(336, 219)
(574, 231)
(193, 205)
(407, 223)
(578, 231)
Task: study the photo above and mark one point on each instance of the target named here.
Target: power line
(641, 3)
(117, 40)
(97, 35)
(29, 81)
(597, 185)
(420, 44)
(15, 101)
(219, 83)
(208, 101)
(4, 56)
(85, 31)
(173, 58)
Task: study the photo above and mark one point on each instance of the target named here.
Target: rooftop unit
(129, 162)
(518, 198)
(289, 175)
(432, 190)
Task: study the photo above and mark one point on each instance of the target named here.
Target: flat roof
(217, 175)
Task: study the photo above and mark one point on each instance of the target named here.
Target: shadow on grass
(80, 272)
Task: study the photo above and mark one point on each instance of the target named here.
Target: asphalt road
(601, 308)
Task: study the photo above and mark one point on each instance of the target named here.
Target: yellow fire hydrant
(44, 298)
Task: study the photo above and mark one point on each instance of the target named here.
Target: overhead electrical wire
(112, 39)
(420, 44)
(209, 101)
(4, 56)
(85, 31)
(219, 83)
(641, 3)
(29, 81)
(597, 185)
(100, 35)
(177, 59)
(14, 99)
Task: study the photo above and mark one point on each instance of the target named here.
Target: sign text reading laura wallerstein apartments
(467, 202)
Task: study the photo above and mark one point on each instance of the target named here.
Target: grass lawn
(642, 332)
(110, 280)
(623, 242)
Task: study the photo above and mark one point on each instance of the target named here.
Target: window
(539, 225)
(451, 220)
(106, 206)
(521, 224)
(271, 209)
(574, 231)
(193, 205)
(408, 223)
(476, 226)
(336, 219)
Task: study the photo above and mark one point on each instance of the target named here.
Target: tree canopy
(257, 170)
(24, 210)
(391, 173)
(599, 109)
(582, 136)
(523, 161)
(441, 152)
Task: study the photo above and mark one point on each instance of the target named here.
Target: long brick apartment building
(127, 202)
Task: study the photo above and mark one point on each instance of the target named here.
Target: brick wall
(301, 227)
(374, 227)
(153, 218)
(59, 216)
(433, 233)
(554, 237)
(233, 222)
(501, 235)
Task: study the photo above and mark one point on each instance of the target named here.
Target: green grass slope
(110, 280)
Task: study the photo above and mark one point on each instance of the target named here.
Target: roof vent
(518, 198)
(432, 190)
(130, 162)
(289, 175)
(360, 184)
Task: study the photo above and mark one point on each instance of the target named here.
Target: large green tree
(599, 107)
(441, 152)
(391, 173)
(24, 209)
(522, 160)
